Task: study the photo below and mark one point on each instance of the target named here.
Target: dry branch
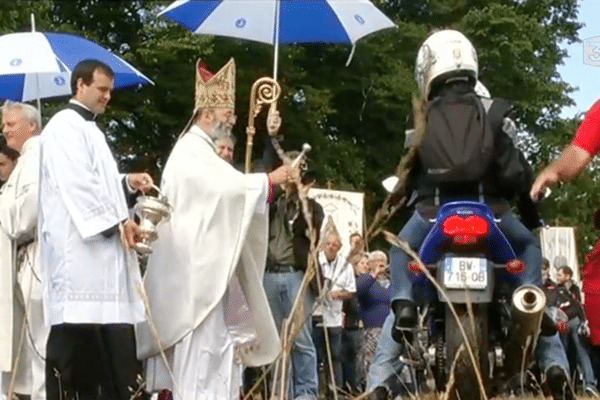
(391, 238)
(398, 198)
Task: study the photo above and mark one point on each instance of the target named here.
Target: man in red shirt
(574, 157)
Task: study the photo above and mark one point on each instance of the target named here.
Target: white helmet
(442, 53)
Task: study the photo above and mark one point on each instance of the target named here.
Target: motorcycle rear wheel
(464, 384)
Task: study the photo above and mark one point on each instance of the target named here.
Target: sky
(582, 67)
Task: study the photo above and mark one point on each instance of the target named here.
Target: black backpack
(458, 142)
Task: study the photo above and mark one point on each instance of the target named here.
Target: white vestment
(88, 278)
(18, 218)
(218, 227)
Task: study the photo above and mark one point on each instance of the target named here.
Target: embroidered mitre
(215, 90)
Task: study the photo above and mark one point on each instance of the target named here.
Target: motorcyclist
(446, 66)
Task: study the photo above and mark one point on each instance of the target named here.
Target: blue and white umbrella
(37, 65)
(280, 21)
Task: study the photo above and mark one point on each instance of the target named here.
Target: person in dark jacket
(567, 297)
(287, 258)
(507, 178)
(446, 68)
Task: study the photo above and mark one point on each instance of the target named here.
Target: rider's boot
(403, 330)
(559, 385)
(380, 393)
(405, 321)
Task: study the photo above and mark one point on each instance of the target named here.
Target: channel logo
(591, 51)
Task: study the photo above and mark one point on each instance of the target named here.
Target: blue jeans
(572, 342)
(281, 290)
(526, 247)
(335, 344)
(524, 243)
(386, 365)
(550, 352)
(350, 346)
(386, 362)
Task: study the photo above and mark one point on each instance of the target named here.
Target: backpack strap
(481, 196)
(496, 110)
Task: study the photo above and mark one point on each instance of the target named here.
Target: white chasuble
(18, 219)
(218, 227)
(7, 283)
(18, 216)
(89, 278)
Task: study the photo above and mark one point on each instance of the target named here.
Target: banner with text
(558, 245)
(345, 210)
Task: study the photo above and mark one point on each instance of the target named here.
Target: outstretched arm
(570, 163)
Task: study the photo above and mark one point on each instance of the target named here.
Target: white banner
(560, 241)
(345, 209)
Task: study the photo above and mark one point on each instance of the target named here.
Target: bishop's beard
(221, 130)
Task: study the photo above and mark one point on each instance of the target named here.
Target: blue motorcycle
(476, 267)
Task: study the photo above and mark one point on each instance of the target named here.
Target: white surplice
(88, 278)
(218, 227)
(18, 219)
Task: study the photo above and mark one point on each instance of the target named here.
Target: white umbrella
(37, 65)
(281, 21)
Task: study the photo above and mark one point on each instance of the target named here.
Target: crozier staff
(91, 299)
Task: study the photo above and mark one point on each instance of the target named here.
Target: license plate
(465, 273)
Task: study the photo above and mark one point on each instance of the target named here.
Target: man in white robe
(90, 275)
(21, 125)
(217, 231)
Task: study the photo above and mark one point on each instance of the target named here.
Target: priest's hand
(273, 122)
(284, 175)
(140, 181)
(130, 232)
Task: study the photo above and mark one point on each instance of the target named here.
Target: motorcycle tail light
(465, 231)
(515, 266)
(472, 225)
(414, 267)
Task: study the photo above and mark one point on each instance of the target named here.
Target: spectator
(373, 293)
(590, 278)
(225, 146)
(338, 284)
(590, 281)
(287, 257)
(568, 299)
(564, 278)
(357, 245)
(8, 160)
(352, 331)
(574, 157)
(546, 280)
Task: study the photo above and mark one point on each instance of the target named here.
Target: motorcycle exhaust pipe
(528, 302)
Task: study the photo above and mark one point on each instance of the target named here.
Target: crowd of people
(79, 322)
(565, 295)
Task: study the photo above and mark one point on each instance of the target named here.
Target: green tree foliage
(354, 116)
